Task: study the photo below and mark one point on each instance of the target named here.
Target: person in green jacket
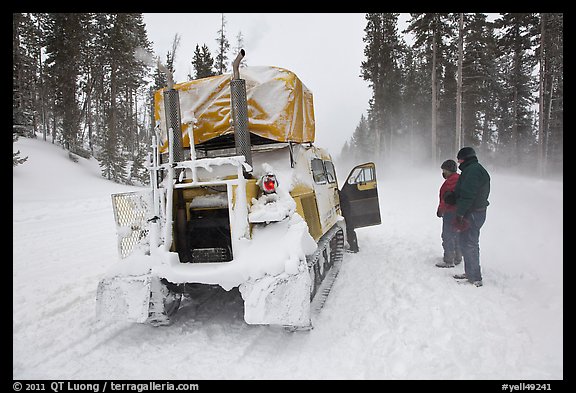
(472, 191)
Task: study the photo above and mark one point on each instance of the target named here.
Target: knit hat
(449, 165)
(466, 152)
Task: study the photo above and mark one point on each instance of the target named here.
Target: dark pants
(450, 239)
(352, 239)
(469, 242)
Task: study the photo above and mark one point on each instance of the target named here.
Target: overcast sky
(325, 50)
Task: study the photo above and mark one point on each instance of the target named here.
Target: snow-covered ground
(391, 314)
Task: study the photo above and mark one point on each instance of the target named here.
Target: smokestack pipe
(173, 117)
(236, 64)
(239, 106)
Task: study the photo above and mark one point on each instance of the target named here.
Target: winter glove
(460, 224)
(438, 213)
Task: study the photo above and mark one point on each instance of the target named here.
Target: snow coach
(239, 197)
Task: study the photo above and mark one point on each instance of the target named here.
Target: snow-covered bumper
(270, 270)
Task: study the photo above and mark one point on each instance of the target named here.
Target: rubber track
(335, 239)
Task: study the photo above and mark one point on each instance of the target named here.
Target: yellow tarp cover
(280, 106)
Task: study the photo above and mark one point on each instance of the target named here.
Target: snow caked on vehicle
(240, 197)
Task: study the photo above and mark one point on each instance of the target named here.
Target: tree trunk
(113, 93)
(458, 139)
(54, 127)
(541, 97)
(514, 147)
(41, 93)
(434, 98)
(136, 122)
(548, 118)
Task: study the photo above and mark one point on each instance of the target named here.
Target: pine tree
(447, 84)
(111, 158)
(121, 137)
(480, 81)
(223, 47)
(16, 159)
(87, 81)
(416, 101)
(550, 132)
(64, 46)
(20, 121)
(515, 41)
(344, 158)
(28, 110)
(382, 70)
(171, 55)
(238, 47)
(432, 32)
(139, 174)
(202, 62)
(94, 83)
(361, 142)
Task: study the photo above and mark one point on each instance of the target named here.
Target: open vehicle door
(359, 197)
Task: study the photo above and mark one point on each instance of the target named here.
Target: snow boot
(460, 276)
(477, 283)
(444, 264)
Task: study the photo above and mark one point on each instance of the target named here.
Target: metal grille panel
(131, 213)
(204, 255)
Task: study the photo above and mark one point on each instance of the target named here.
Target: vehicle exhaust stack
(173, 118)
(239, 106)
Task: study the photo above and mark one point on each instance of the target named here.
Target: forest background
(85, 81)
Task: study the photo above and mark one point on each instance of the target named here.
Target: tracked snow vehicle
(239, 197)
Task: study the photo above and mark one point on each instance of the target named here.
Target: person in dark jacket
(472, 191)
(447, 211)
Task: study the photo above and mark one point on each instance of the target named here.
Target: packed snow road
(391, 314)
